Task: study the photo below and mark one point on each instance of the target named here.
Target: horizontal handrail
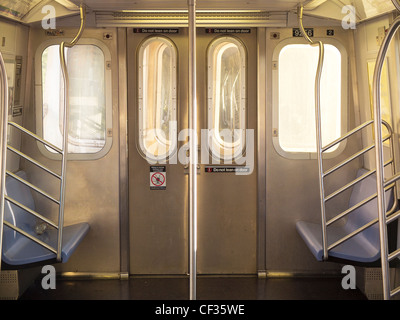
(394, 291)
(32, 212)
(394, 255)
(355, 156)
(43, 244)
(360, 153)
(352, 183)
(352, 234)
(392, 217)
(362, 228)
(392, 179)
(30, 185)
(36, 137)
(37, 163)
(356, 206)
(347, 135)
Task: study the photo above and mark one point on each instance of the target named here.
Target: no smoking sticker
(158, 178)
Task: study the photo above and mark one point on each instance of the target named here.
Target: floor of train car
(208, 288)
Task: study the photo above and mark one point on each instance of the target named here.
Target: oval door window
(226, 98)
(157, 98)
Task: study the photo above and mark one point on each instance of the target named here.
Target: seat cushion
(358, 248)
(25, 251)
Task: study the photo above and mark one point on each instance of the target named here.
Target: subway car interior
(200, 150)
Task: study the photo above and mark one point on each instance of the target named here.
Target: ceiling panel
(115, 5)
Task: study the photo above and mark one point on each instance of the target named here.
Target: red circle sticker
(157, 179)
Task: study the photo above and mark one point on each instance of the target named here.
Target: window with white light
(157, 98)
(90, 111)
(227, 97)
(294, 105)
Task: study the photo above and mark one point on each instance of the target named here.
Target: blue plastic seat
(20, 250)
(365, 246)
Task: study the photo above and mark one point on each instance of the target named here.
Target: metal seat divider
(63, 152)
(380, 165)
(361, 203)
(380, 183)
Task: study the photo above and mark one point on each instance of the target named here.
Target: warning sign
(227, 30)
(227, 169)
(155, 30)
(158, 178)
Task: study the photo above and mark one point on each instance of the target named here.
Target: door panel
(158, 218)
(227, 202)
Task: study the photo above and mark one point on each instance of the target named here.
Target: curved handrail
(318, 125)
(64, 147)
(3, 142)
(380, 180)
(396, 3)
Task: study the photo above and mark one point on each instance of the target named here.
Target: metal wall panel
(92, 191)
(292, 184)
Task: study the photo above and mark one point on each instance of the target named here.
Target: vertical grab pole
(319, 145)
(193, 150)
(318, 127)
(380, 178)
(3, 143)
(65, 127)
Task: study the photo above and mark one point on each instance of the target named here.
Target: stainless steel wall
(92, 191)
(292, 189)
(245, 228)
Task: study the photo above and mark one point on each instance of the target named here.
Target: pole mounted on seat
(3, 143)
(379, 159)
(318, 124)
(64, 148)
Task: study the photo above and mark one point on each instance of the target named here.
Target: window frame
(108, 99)
(275, 99)
(230, 153)
(146, 154)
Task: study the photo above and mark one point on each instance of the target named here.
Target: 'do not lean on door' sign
(158, 178)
